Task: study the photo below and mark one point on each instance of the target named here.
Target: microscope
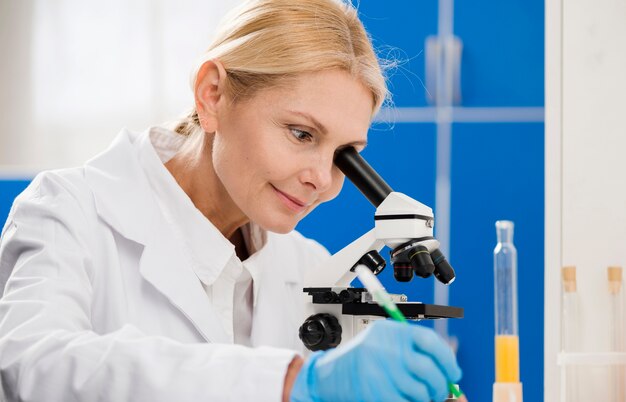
(335, 311)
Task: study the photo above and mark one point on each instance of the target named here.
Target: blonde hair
(265, 43)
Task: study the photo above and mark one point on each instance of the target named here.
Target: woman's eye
(301, 135)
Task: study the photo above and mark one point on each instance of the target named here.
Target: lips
(291, 202)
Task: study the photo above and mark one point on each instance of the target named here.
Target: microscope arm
(398, 219)
(401, 223)
(336, 271)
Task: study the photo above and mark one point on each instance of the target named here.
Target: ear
(209, 91)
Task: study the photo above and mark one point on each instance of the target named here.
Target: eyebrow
(320, 127)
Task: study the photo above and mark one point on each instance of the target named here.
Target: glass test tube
(617, 331)
(570, 330)
(505, 282)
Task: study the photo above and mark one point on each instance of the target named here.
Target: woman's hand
(290, 377)
(386, 362)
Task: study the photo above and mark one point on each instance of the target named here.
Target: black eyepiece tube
(362, 175)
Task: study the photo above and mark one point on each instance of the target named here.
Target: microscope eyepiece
(364, 177)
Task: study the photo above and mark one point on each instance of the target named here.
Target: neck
(194, 172)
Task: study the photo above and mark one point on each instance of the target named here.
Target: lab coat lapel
(165, 266)
(278, 308)
(125, 201)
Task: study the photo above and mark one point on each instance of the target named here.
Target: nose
(319, 173)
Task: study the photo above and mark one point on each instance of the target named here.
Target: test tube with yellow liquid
(507, 387)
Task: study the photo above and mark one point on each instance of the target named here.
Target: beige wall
(585, 167)
(75, 72)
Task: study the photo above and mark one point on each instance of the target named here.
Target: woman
(167, 267)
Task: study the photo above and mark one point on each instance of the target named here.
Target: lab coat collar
(121, 193)
(208, 250)
(125, 201)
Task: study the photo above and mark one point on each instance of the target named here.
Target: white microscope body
(335, 312)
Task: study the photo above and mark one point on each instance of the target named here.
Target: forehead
(335, 98)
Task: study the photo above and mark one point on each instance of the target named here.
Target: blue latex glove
(389, 361)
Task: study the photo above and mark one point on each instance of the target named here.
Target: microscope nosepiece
(413, 257)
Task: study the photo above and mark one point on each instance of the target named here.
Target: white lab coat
(100, 305)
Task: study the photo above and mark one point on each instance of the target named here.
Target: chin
(280, 225)
(280, 228)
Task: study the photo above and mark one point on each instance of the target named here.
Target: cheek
(232, 166)
(276, 163)
(236, 157)
(335, 188)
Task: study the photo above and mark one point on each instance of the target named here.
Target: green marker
(380, 295)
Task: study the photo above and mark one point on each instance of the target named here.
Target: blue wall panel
(502, 60)
(399, 30)
(497, 174)
(502, 63)
(9, 189)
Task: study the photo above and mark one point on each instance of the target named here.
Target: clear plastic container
(596, 375)
(592, 369)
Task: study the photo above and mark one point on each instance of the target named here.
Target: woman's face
(274, 152)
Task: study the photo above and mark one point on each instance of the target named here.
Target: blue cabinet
(399, 30)
(502, 63)
(497, 169)
(497, 174)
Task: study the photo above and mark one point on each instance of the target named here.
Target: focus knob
(320, 332)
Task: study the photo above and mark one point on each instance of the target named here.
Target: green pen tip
(455, 390)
